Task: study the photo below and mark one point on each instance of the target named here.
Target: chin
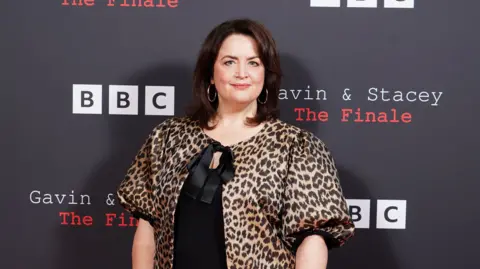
(242, 100)
(242, 97)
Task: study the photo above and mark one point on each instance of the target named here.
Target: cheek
(258, 76)
(222, 75)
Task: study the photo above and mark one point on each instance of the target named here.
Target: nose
(241, 71)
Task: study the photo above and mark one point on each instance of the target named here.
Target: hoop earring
(208, 94)
(266, 98)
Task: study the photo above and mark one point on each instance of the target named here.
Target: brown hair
(202, 109)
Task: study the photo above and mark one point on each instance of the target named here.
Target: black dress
(199, 232)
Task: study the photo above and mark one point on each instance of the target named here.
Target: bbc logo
(364, 3)
(123, 99)
(391, 214)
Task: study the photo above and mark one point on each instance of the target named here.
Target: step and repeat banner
(391, 86)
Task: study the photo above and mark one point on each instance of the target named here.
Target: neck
(234, 115)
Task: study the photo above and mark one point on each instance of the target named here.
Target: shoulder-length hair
(201, 108)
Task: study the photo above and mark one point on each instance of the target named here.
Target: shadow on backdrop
(369, 247)
(297, 80)
(101, 246)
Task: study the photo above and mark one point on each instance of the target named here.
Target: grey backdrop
(429, 163)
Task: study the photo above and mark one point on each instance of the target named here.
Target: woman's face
(238, 73)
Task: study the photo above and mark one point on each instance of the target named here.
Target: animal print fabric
(285, 187)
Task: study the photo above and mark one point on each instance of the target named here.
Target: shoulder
(174, 124)
(295, 135)
(305, 147)
(173, 127)
(170, 131)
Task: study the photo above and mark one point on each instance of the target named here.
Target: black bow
(206, 179)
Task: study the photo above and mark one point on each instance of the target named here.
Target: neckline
(238, 143)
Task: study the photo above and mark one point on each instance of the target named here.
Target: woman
(230, 185)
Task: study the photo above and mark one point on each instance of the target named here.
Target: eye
(228, 62)
(254, 63)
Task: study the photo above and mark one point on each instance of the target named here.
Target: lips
(240, 86)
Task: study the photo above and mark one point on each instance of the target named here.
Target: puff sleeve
(313, 198)
(135, 191)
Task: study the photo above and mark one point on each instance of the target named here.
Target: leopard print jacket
(285, 187)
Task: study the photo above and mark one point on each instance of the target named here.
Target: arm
(315, 216)
(136, 194)
(312, 253)
(143, 249)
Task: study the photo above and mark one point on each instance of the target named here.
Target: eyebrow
(236, 58)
